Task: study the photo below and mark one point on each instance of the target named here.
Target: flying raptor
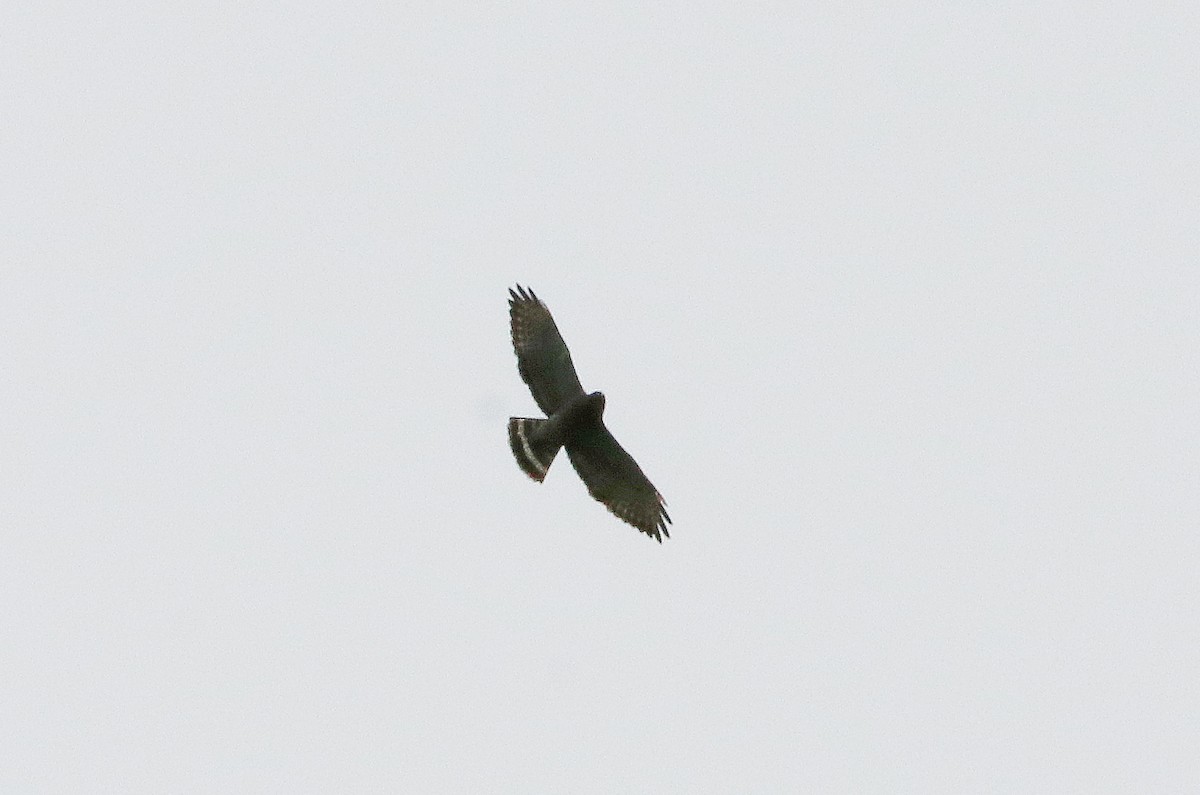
(574, 420)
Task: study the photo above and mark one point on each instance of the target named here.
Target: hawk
(574, 421)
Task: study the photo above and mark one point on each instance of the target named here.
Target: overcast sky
(896, 306)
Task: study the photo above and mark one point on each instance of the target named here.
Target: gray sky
(896, 307)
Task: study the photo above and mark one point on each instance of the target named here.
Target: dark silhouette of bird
(574, 420)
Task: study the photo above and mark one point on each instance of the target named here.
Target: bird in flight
(574, 420)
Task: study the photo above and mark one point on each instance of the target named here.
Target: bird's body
(574, 420)
(536, 442)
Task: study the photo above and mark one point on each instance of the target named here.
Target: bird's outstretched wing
(614, 478)
(542, 356)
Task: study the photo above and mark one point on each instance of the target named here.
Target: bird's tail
(534, 455)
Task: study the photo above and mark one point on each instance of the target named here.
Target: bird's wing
(542, 356)
(614, 478)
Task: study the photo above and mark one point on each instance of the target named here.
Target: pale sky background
(897, 306)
